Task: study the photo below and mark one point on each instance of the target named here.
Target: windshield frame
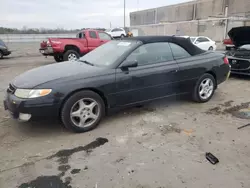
(119, 60)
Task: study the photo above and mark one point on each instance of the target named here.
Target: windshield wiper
(87, 62)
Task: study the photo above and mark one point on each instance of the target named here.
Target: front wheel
(71, 55)
(83, 111)
(122, 36)
(204, 88)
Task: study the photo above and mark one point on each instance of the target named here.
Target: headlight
(31, 93)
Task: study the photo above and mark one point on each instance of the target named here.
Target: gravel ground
(22, 49)
(162, 144)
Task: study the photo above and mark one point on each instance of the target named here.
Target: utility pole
(124, 13)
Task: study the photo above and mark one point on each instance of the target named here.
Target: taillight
(226, 60)
(48, 44)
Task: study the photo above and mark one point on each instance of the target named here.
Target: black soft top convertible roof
(181, 41)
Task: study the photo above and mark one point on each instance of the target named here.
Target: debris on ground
(211, 158)
(227, 103)
(188, 132)
(238, 110)
(215, 111)
(244, 126)
(170, 128)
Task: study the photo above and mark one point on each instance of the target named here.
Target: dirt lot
(162, 144)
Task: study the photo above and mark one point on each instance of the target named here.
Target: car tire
(122, 36)
(71, 116)
(71, 55)
(58, 58)
(211, 48)
(204, 88)
(1, 55)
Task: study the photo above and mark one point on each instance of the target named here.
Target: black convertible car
(239, 56)
(115, 75)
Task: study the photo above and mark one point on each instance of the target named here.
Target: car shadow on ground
(153, 106)
(242, 77)
(40, 127)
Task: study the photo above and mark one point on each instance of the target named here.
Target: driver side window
(151, 53)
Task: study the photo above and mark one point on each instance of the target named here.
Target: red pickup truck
(68, 49)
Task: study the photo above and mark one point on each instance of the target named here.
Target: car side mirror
(128, 64)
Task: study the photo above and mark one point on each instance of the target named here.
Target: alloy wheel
(85, 112)
(72, 57)
(206, 88)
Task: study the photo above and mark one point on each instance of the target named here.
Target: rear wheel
(122, 36)
(58, 58)
(71, 55)
(210, 48)
(204, 88)
(1, 55)
(83, 111)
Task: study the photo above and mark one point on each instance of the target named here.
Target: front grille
(239, 64)
(11, 89)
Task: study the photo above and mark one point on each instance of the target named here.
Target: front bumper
(47, 51)
(239, 65)
(6, 52)
(38, 107)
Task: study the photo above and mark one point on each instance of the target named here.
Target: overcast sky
(71, 14)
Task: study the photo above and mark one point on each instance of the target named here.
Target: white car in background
(204, 43)
(116, 32)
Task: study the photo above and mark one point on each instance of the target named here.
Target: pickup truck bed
(68, 49)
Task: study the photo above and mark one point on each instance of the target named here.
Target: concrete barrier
(33, 37)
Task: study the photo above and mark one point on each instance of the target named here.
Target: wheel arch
(100, 93)
(72, 47)
(215, 77)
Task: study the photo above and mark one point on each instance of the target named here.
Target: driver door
(154, 77)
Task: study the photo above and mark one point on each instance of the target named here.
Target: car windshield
(192, 39)
(108, 53)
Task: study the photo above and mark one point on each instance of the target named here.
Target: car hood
(240, 35)
(47, 73)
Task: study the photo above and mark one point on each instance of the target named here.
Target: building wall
(214, 29)
(194, 10)
(239, 7)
